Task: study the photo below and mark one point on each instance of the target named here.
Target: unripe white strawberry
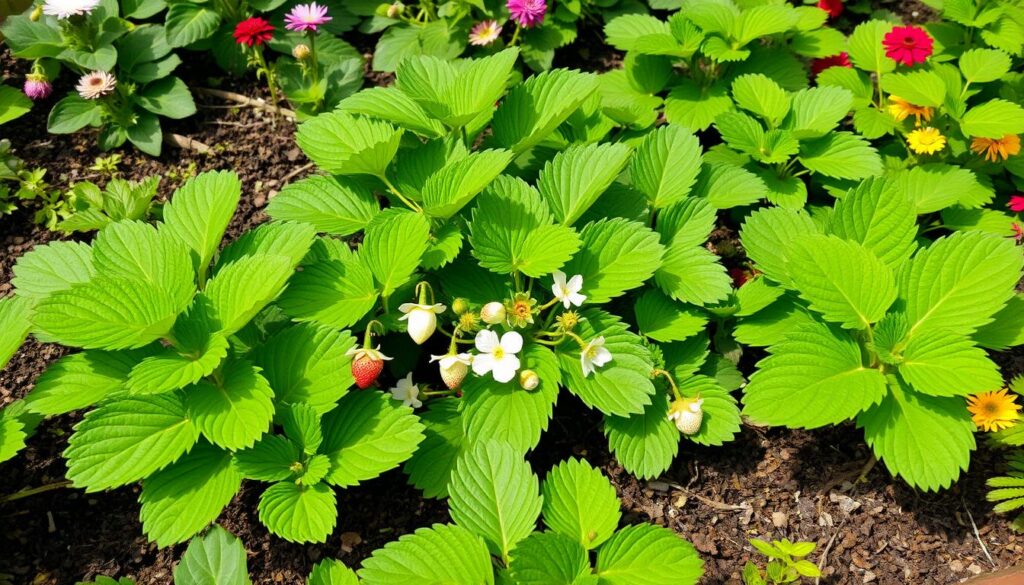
(687, 414)
(493, 313)
(529, 380)
(454, 367)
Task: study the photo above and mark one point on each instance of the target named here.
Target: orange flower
(992, 411)
(900, 108)
(996, 148)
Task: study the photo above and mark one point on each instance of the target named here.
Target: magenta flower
(528, 13)
(306, 17)
(37, 87)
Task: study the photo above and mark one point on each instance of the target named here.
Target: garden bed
(768, 483)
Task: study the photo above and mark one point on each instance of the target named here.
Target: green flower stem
(394, 190)
(33, 491)
(425, 293)
(671, 382)
(368, 335)
(314, 67)
(271, 82)
(515, 35)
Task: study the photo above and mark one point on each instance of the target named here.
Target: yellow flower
(996, 148)
(900, 109)
(992, 411)
(926, 140)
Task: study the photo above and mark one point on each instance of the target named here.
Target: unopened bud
(395, 9)
(301, 52)
(36, 14)
(460, 306)
(493, 313)
(529, 380)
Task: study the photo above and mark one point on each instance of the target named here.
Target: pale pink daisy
(67, 8)
(306, 17)
(484, 33)
(528, 13)
(96, 85)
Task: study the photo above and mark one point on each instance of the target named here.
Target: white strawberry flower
(568, 292)
(422, 319)
(687, 414)
(454, 367)
(594, 355)
(407, 392)
(497, 357)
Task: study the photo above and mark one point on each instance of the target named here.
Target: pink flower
(1016, 203)
(840, 60)
(528, 13)
(833, 7)
(908, 45)
(306, 17)
(37, 87)
(484, 33)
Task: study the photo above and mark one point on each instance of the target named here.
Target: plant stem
(271, 82)
(671, 382)
(33, 491)
(515, 35)
(314, 68)
(394, 190)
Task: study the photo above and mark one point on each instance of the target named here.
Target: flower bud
(395, 9)
(687, 414)
(460, 306)
(36, 14)
(422, 320)
(301, 52)
(529, 380)
(493, 313)
(37, 86)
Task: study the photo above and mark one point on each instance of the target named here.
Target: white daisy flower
(67, 8)
(96, 85)
(497, 357)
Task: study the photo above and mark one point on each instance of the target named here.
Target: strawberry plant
(882, 327)
(521, 257)
(188, 370)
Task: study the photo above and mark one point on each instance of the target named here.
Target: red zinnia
(908, 45)
(253, 31)
(833, 7)
(1016, 203)
(840, 60)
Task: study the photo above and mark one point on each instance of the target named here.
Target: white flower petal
(406, 307)
(486, 341)
(576, 299)
(505, 369)
(483, 363)
(575, 283)
(512, 342)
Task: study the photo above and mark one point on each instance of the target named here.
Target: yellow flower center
(498, 353)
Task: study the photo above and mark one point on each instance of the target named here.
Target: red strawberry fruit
(367, 364)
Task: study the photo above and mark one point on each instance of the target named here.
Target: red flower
(833, 7)
(1016, 203)
(253, 31)
(739, 276)
(840, 60)
(908, 45)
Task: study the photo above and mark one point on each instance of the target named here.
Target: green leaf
(767, 236)
(51, 268)
(168, 97)
(200, 211)
(215, 559)
(984, 65)
(182, 499)
(883, 223)
(136, 250)
(334, 205)
(308, 364)
(623, 386)
(73, 113)
(505, 412)
(818, 110)
(993, 119)
(495, 494)
(812, 378)
(841, 279)
(773, 323)
(333, 293)
(666, 164)
(693, 274)
(841, 155)
(512, 231)
(580, 503)
(170, 369)
(641, 33)
(14, 325)
(926, 440)
(532, 110)
(332, 572)
(548, 558)
(866, 49)
(945, 363)
(430, 467)
(392, 246)
(696, 107)
(663, 319)
(291, 240)
(726, 186)
(13, 104)
(269, 459)
(368, 434)
(721, 421)
(391, 105)
(241, 289)
(616, 255)
(440, 555)
(343, 144)
(80, 380)
(299, 513)
(760, 95)
(12, 437)
(1006, 329)
(763, 21)
(573, 180)
(819, 43)
(646, 443)
(959, 282)
(921, 88)
(645, 554)
(236, 410)
(127, 439)
(451, 188)
(188, 23)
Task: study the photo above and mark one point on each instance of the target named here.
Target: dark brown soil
(767, 484)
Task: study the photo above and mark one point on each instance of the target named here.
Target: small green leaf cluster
(191, 378)
(1007, 491)
(880, 327)
(14, 174)
(89, 208)
(786, 563)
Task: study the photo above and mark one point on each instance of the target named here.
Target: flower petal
(486, 341)
(512, 342)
